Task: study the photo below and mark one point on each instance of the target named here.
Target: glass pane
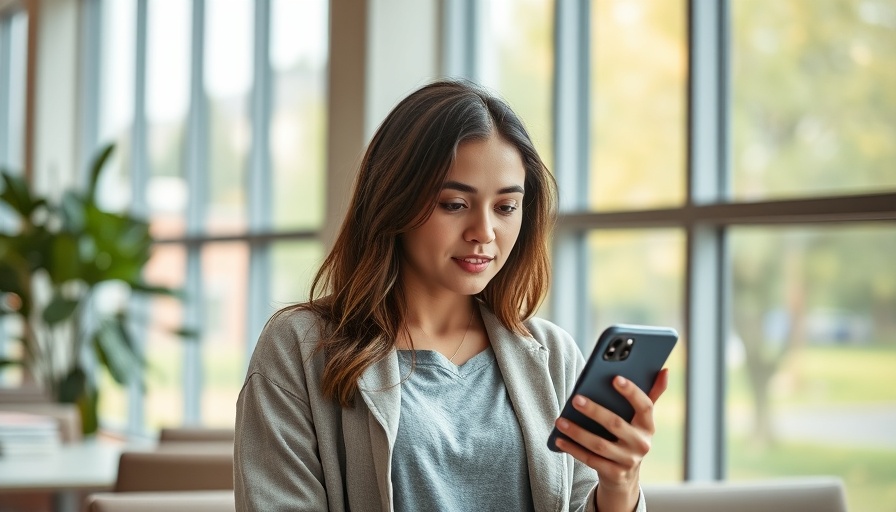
(224, 290)
(637, 277)
(811, 363)
(298, 126)
(162, 348)
(228, 83)
(116, 104)
(163, 400)
(167, 106)
(517, 60)
(638, 109)
(13, 130)
(295, 264)
(814, 97)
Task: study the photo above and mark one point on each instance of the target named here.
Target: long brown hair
(357, 291)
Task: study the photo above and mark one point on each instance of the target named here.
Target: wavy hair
(357, 290)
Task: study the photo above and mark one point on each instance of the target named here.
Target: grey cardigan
(296, 450)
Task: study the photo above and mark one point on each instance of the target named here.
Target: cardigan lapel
(381, 390)
(524, 366)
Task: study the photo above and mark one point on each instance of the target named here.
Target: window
(220, 141)
(728, 170)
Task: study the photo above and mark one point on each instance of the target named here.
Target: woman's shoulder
(290, 337)
(553, 337)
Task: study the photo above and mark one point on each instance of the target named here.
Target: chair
(809, 494)
(162, 501)
(184, 468)
(196, 434)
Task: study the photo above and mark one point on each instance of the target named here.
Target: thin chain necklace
(464, 338)
(451, 359)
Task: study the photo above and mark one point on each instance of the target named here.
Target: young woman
(416, 377)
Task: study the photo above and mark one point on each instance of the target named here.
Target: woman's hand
(617, 463)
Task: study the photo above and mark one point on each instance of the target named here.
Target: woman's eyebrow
(463, 187)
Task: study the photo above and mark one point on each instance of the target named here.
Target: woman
(415, 377)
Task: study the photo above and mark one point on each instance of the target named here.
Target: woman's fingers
(659, 385)
(590, 448)
(624, 455)
(632, 443)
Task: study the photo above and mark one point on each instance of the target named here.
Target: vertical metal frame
(706, 293)
(461, 38)
(571, 135)
(5, 86)
(195, 171)
(259, 179)
(139, 166)
(91, 83)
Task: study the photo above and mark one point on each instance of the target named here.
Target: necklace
(451, 359)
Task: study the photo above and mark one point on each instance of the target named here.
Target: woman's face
(475, 224)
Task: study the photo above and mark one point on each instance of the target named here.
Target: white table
(86, 466)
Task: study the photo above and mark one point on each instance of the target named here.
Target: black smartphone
(637, 352)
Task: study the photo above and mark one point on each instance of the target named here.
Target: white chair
(805, 494)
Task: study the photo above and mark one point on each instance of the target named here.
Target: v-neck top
(459, 445)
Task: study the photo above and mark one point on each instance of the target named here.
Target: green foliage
(66, 250)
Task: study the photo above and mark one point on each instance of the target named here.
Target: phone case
(646, 354)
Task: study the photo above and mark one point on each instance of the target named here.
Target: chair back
(188, 468)
(809, 494)
(195, 434)
(162, 501)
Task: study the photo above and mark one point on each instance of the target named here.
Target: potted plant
(53, 263)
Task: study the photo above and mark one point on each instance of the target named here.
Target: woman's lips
(474, 265)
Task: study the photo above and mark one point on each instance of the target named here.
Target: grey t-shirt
(459, 444)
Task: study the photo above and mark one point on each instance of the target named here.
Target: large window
(727, 168)
(217, 110)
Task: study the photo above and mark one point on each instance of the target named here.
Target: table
(85, 466)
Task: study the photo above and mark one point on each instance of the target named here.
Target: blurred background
(727, 168)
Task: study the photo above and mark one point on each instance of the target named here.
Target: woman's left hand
(617, 463)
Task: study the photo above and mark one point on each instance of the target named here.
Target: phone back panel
(649, 351)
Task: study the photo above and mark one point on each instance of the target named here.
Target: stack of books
(26, 433)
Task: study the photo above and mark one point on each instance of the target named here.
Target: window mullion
(5, 87)
(571, 134)
(196, 163)
(259, 178)
(706, 290)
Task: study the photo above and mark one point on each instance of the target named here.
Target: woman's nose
(481, 229)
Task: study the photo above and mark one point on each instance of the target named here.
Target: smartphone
(637, 352)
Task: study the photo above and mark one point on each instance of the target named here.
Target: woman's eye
(452, 207)
(507, 209)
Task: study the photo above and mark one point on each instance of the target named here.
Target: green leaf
(187, 333)
(72, 210)
(59, 309)
(72, 385)
(96, 168)
(117, 351)
(18, 196)
(156, 290)
(64, 264)
(11, 362)
(88, 405)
